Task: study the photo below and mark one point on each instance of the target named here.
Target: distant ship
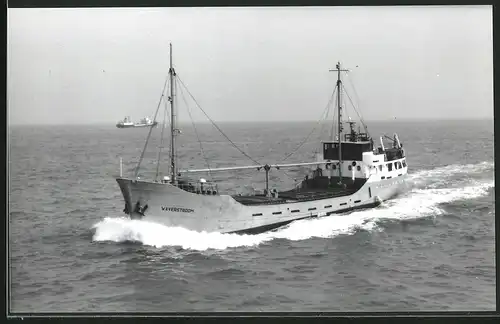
(144, 122)
(350, 173)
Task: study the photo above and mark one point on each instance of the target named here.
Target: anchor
(140, 209)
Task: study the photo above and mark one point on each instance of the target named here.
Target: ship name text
(177, 209)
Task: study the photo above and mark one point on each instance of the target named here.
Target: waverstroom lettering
(177, 209)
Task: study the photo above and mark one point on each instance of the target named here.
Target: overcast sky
(249, 64)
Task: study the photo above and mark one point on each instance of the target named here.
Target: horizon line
(492, 118)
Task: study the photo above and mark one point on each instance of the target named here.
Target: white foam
(416, 203)
(153, 234)
(441, 174)
(426, 202)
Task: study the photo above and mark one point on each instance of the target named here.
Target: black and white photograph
(250, 159)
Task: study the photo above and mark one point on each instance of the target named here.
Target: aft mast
(339, 108)
(173, 166)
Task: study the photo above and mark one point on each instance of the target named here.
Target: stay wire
(312, 131)
(357, 100)
(161, 136)
(332, 133)
(149, 133)
(215, 125)
(360, 118)
(196, 133)
(323, 125)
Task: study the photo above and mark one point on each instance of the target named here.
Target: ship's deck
(294, 196)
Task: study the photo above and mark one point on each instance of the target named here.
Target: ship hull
(136, 125)
(170, 206)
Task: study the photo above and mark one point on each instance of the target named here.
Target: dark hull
(137, 125)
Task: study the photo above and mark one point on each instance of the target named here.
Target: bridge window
(350, 151)
(350, 168)
(359, 168)
(389, 166)
(380, 167)
(404, 163)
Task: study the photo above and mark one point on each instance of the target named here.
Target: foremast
(173, 124)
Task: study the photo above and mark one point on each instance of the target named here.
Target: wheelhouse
(352, 151)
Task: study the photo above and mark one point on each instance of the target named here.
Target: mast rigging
(161, 140)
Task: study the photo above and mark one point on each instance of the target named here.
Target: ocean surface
(72, 250)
